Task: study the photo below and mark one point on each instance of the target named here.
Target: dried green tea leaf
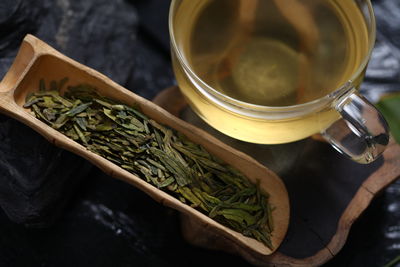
(238, 215)
(32, 100)
(42, 85)
(62, 83)
(167, 182)
(78, 109)
(156, 154)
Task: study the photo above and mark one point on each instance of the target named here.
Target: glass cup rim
(290, 108)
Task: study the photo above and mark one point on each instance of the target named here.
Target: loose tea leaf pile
(157, 154)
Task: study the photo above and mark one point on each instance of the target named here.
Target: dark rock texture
(36, 177)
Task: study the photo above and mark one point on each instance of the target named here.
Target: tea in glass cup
(277, 71)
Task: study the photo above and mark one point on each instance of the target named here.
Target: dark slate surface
(104, 222)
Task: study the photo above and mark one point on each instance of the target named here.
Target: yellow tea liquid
(269, 53)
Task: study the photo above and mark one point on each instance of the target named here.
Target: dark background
(86, 218)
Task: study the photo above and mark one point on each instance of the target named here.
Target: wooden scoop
(37, 60)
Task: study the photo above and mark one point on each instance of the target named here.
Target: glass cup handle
(362, 133)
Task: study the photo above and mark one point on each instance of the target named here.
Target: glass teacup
(277, 71)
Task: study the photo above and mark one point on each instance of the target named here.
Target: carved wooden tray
(327, 192)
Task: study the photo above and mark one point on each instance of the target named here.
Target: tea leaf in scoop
(174, 166)
(269, 222)
(104, 127)
(80, 134)
(261, 237)
(167, 182)
(157, 154)
(103, 103)
(82, 122)
(209, 198)
(156, 164)
(243, 206)
(237, 215)
(188, 194)
(78, 109)
(108, 113)
(137, 113)
(56, 97)
(50, 114)
(71, 133)
(31, 100)
(38, 113)
(53, 86)
(62, 83)
(42, 85)
(60, 121)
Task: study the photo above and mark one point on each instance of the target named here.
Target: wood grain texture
(382, 175)
(37, 60)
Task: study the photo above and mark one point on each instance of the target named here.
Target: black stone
(37, 178)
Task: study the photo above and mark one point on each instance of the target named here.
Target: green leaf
(39, 113)
(103, 103)
(62, 82)
(50, 114)
(78, 109)
(80, 134)
(238, 215)
(81, 122)
(42, 85)
(393, 262)
(167, 182)
(104, 127)
(390, 107)
(53, 86)
(32, 100)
